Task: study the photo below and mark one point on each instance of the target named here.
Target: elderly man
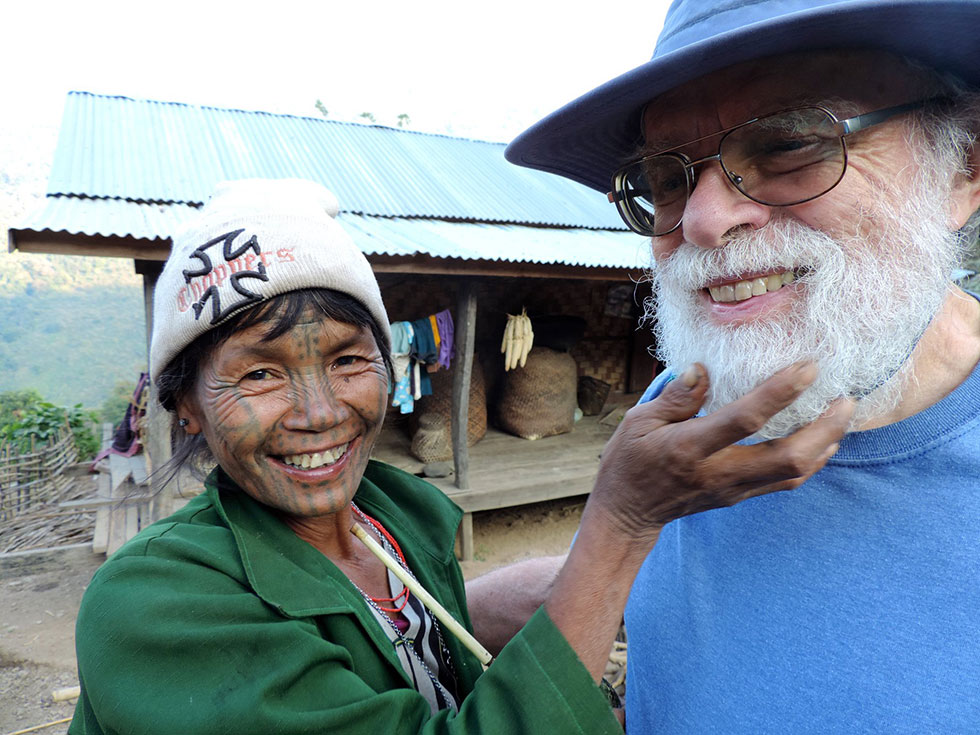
(808, 173)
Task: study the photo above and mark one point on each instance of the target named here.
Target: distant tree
(113, 408)
(403, 120)
(13, 404)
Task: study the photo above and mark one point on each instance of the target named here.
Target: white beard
(864, 301)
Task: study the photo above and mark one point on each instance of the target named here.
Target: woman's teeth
(747, 289)
(317, 459)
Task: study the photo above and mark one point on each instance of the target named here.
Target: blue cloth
(402, 334)
(850, 605)
(423, 352)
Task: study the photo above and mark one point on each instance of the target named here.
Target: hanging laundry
(435, 332)
(445, 328)
(402, 335)
(424, 352)
(424, 345)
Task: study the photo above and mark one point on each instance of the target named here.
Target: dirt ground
(40, 594)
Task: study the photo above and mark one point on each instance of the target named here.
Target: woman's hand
(661, 464)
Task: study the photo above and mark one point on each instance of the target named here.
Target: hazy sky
(484, 70)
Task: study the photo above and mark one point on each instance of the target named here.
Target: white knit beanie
(255, 239)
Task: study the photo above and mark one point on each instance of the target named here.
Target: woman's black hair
(283, 312)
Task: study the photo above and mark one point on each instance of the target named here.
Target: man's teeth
(317, 459)
(747, 289)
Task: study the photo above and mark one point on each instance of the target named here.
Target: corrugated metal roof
(513, 243)
(374, 235)
(109, 217)
(148, 151)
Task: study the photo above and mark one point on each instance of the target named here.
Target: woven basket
(539, 399)
(432, 438)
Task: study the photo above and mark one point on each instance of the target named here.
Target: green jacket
(220, 619)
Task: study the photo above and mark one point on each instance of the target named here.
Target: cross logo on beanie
(240, 268)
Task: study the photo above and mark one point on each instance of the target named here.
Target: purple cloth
(444, 322)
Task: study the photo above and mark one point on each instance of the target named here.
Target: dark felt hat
(590, 138)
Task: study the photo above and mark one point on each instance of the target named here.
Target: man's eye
(346, 360)
(257, 375)
(786, 145)
(667, 188)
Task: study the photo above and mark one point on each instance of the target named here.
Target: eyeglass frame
(848, 126)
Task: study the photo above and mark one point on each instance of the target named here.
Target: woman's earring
(182, 423)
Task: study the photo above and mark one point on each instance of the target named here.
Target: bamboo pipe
(41, 727)
(62, 695)
(442, 615)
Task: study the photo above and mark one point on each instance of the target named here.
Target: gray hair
(946, 135)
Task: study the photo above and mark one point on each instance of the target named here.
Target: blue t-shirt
(849, 605)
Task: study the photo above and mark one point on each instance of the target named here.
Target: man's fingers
(749, 414)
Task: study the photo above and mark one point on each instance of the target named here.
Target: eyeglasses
(786, 158)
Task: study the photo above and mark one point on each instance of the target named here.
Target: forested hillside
(70, 327)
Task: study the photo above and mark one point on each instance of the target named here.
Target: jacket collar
(292, 576)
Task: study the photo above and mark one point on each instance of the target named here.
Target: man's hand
(662, 464)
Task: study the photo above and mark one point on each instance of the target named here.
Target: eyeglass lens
(778, 160)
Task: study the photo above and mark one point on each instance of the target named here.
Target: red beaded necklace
(382, 531)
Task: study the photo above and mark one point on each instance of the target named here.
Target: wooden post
(463, 339)
(158, 445)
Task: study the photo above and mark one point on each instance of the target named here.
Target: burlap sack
(539, 399)
(431, 425)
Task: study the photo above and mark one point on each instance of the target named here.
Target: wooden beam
(428, 265)
(158, 447)
(464, 337)
(150, 270)
(65, 243)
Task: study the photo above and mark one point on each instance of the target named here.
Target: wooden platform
(506, 470)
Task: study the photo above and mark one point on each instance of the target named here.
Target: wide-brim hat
(589, 139)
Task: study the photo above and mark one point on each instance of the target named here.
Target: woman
(255, 609)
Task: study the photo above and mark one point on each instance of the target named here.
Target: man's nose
(315, 405)
(716, 207)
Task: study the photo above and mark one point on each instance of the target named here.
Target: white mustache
(861, 306)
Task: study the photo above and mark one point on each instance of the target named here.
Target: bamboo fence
(37, 477)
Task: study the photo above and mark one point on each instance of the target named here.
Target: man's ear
(964, 199)
(187, 415)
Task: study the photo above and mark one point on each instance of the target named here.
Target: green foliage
(113, 408)
(81, 422)
(14, 402)
(36, 424)
(369, 116)
(404, 120)
(32, 422)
